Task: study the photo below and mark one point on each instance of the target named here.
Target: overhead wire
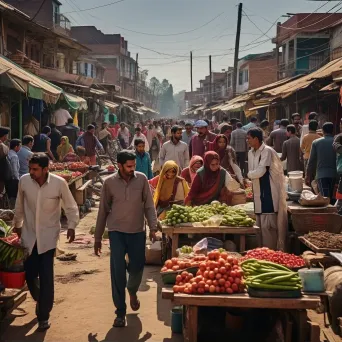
(96, 7)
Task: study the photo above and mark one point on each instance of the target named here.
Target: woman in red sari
(227, 157)
(212, 182)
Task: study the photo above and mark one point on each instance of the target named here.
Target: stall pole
(20, 117)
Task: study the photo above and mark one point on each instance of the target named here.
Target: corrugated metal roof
(303, 82)
(11, 8)
(329, 87)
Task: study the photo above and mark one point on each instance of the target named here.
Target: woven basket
(305, 223)
(239, 197)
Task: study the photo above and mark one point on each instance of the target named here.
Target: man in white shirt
(139, 135)
(175, 149)
(60, 117)
(37, 222)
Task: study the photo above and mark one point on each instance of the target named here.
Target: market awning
(98, 91)
(111, 104)
(330, 87)
(234, 107)
(76, 102)
(303, 82)
(32, 85)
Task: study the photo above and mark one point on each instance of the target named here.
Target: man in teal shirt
(143, 161)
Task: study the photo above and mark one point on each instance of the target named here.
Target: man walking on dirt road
(37, 222)
(126, 200)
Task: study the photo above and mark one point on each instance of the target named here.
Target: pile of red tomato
(218, 273)
(278, 257)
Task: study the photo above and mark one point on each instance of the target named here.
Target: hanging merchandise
(76, 118)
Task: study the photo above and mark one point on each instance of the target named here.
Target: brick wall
(262, 73)
(111, 75)
(30, 7)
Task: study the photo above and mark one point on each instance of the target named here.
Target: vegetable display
(230, 216)
(278, 257)
(176, 264)
(265, 275)
(111, 168)
(322, 239)
(249, 193)
(186, 249)
(75, 166)
(218, 273)
(10, 250)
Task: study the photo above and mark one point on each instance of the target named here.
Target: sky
(173, 28)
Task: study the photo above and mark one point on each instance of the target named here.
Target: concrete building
(111, 50)
(302, 42)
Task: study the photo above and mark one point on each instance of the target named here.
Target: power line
(88, 9)
(170, 34)
(39, 9)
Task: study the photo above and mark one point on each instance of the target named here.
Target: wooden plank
(11, 293)
(85, 185)
(167, 293)
(315, 332)
(210, 230)
(192, 323)
(242, 243)
(242, 300)
(293, 207)
(175, 243)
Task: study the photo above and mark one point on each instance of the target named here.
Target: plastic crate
(305, 223)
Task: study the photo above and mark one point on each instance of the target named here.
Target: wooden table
(174, 231)
(75, 186)
(10, 299)
(240, 300)
(294, 207)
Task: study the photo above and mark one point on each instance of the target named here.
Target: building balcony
(62, 25)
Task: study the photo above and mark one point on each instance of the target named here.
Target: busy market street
(165, 177)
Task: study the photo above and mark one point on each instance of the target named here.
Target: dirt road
(83, 309)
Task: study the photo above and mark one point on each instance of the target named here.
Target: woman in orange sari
(212, 182)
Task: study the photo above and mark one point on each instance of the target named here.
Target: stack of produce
(186, 249)
(278, 257)
(264, 275)
(56, 166)
(249, 193)
(111, 168)
(10, 248)
(66, 174)
(322, 239)
(231, 217)
(77, 166)
(176, 264)
(218, 273)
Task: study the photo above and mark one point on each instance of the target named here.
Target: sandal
(119, 322)
(43, 325)
(135, 303)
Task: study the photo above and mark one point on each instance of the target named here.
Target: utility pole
(237, 46)
(210, 80)
(136, 77)
(191, 70)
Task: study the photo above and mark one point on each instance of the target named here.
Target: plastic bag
(214, 221)
(201, 246)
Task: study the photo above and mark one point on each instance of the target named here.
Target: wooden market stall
(294, 307)
(174, 231)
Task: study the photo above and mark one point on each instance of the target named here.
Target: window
(92, 71)
(246, 74)
(86, 69)
(240, 77)
(55, 9)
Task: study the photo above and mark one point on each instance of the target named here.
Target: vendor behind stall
(169, 188)
(227, 157)
(266, 173)
(212, 182)
(64, 148)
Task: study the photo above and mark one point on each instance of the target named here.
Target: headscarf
(221, 152)
(210, 177)
(193, 161)
(165, 186)
(63, 150)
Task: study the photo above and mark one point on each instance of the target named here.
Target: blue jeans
(120, 245)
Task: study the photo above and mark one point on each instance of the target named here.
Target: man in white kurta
(266, 174)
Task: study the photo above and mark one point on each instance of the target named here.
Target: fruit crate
(304, 223)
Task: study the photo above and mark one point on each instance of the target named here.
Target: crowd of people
(162, 163)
